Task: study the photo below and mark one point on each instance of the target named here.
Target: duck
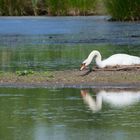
(114, 60)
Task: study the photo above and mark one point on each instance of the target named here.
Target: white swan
(117, 99)
(94, 105)
(114, 60)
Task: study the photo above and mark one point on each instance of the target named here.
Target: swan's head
(83, 93)
(93, 54)
(84, 64)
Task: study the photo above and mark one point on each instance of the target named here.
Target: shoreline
(76, 86)
(72, 79)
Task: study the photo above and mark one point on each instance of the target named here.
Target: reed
(34, 5)
(12, 7)
(46, 7)
(56, 7)
(123, 9)
(82, 7)
(70, 7)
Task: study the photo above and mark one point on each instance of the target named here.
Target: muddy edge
(74, 79)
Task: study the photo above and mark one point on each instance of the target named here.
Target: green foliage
(118, 9)
(56, 7)
(70, 7)
(12, 7)
(34, 3)
(31, 72)
(83, 6)
(46, 7)
(24, 72)
(19, 7)
(48, 74)
(123, 9)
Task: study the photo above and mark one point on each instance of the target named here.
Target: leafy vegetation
(118, 9)
(24, 72)
(46, 7)
(123, 9)
(47, 74)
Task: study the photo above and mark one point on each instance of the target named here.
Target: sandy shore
(73, 78)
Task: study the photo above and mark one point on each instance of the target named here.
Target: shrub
(123, 9)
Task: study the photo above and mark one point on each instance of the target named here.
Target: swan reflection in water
(116, 98)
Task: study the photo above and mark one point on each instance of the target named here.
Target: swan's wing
(120, 99)
(121, 59)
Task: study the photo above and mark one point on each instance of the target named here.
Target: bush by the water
(123, 9)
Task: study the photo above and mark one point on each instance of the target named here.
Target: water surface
(50, 43)
(40, 114)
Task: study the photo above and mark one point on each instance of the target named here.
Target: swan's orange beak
(83, 66)
(83, 93)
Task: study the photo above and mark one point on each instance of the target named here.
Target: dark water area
(50, 43)
(69, 114)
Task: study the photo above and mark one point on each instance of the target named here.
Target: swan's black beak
(83, 66)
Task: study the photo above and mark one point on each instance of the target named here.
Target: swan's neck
(97, 56)
(99, 101)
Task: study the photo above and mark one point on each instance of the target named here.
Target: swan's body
(114, 60)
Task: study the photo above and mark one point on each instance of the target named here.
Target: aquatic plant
(123, 9)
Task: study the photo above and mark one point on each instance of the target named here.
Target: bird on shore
(114, 60)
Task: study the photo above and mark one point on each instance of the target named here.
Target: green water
(55, 57)
(59, 43)
(42, 114)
